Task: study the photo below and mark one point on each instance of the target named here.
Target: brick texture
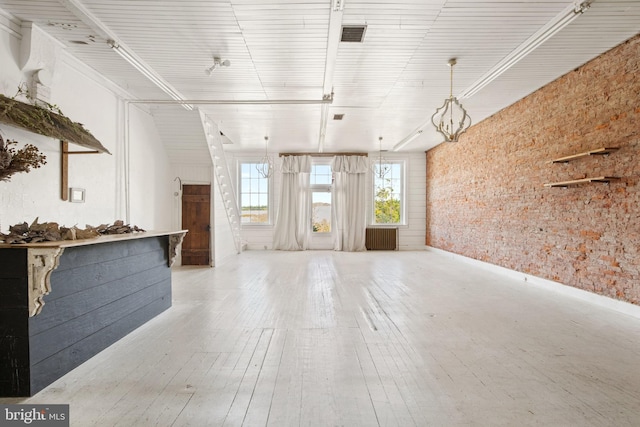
(485, 194)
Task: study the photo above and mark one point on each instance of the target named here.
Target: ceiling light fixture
(380, 166)
(560, 21)
(265, 166)
(217, 63)
(451, 120)
(148, 73)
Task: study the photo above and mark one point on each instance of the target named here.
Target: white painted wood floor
(361, 339)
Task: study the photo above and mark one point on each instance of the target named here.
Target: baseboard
(599, 300)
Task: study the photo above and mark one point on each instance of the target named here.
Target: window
(388, 195)
(254, 195)
(321, 179)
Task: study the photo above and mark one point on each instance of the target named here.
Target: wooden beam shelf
(598, 151)
(604, 179)
(44, 121)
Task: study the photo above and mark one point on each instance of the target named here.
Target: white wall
(85, 97)
(412, 235)
(150, 175)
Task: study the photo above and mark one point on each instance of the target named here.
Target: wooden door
(196, 217)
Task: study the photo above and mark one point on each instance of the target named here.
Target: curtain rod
(324, 154)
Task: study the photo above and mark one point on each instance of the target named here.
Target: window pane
(321, 174)
(255, 200)
(254, 195)
(388, 195)
(321, 212)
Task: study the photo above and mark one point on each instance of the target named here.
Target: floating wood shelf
(582, 181)
(598, 151)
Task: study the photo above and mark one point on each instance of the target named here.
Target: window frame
(270, 218)
(403, 196)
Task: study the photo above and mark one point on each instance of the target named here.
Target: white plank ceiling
(287, 50)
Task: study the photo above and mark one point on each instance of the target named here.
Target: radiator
(382, 239)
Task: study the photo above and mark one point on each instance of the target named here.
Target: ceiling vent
(338, 116)
(353, 33)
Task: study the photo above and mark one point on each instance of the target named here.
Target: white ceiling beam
(413, 135)
(333, 41)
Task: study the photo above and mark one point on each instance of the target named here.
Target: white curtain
(349, 211)
(293, 223)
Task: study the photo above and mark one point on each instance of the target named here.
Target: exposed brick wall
(485, 194)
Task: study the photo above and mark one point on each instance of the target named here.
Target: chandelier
(265, 166)
(451, 120)
(380, 166)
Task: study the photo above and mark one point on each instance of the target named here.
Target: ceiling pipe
(81, 12)
(557, 23)
(413, 135)
(564, 18)
(326, 100)
(148, 72)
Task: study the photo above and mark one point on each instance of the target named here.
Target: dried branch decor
(13, 160)
(47, 121)
(52, 232)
